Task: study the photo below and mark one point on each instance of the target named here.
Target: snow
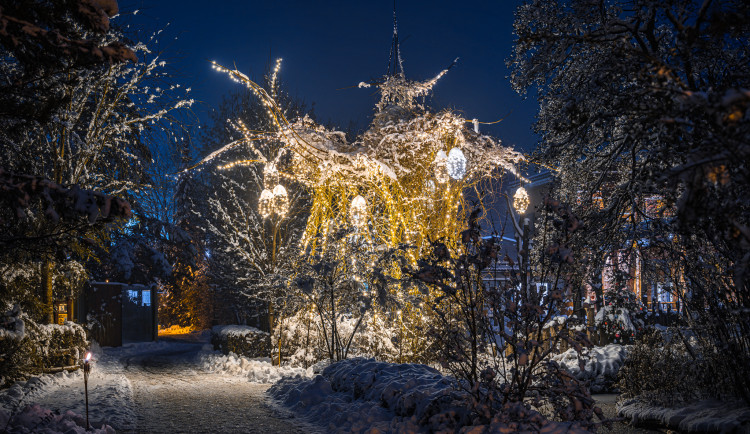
(110, 399)
(35, 419)
(600, 365)
(363, 395)
(255, 370)
(703, 416)
(234, 330)
(58, 399)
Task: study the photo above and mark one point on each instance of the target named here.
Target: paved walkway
(172, 395)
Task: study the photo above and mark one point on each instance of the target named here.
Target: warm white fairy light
(400, 161)
(456, 164)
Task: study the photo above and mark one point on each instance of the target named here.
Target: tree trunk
(47, 292)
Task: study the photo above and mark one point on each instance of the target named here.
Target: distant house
(624, 267)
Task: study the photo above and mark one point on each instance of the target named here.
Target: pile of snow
(362, 395)
(255, 370)
(110, 397)
(35, 419)
(704, 416)
(598, 366)
(235, 330)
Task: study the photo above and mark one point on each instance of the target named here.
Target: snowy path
(172, 394)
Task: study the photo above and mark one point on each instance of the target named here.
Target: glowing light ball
(280, 200)
(521, 200)
(265, 203)
(456, 164)
(358, 211)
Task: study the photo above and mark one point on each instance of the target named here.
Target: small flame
(88, 357)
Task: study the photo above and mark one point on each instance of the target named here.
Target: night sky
(330, 46)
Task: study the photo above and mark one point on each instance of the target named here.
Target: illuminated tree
(408, 172)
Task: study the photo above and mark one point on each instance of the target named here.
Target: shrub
(665, 367)
(28, 348)
(242, 340)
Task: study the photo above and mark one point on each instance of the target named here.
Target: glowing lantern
(441, 169)
(521, 200)
(280, 200)
(456, 164)
(358, 211)
(265, 204)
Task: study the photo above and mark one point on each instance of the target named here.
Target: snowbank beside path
(38, 420)
(110, 400)
(365, 396)
(600, 365)
(255, 370)
(704, 416)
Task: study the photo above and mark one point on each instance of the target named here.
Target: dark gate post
(155, 312)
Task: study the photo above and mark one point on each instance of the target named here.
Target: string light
(400, 161)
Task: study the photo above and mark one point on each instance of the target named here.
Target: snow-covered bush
(304, 345)
(597, 367)
(496, 340)
(621, 324)
(28, 348)
(664, 367)
(363, 395)
(242, 340)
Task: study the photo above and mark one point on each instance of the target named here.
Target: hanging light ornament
(265, 203)
(270, 175)
(441, 169)
(358, 211)
(280, 200)
(521, 200)
(456, 164)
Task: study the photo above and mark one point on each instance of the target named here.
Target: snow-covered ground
(128, 383)
(110, 397)
(704, 416)
(598, 365)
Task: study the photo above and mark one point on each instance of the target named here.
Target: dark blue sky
(331, 45)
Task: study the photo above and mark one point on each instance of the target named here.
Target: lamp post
(86, 370)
